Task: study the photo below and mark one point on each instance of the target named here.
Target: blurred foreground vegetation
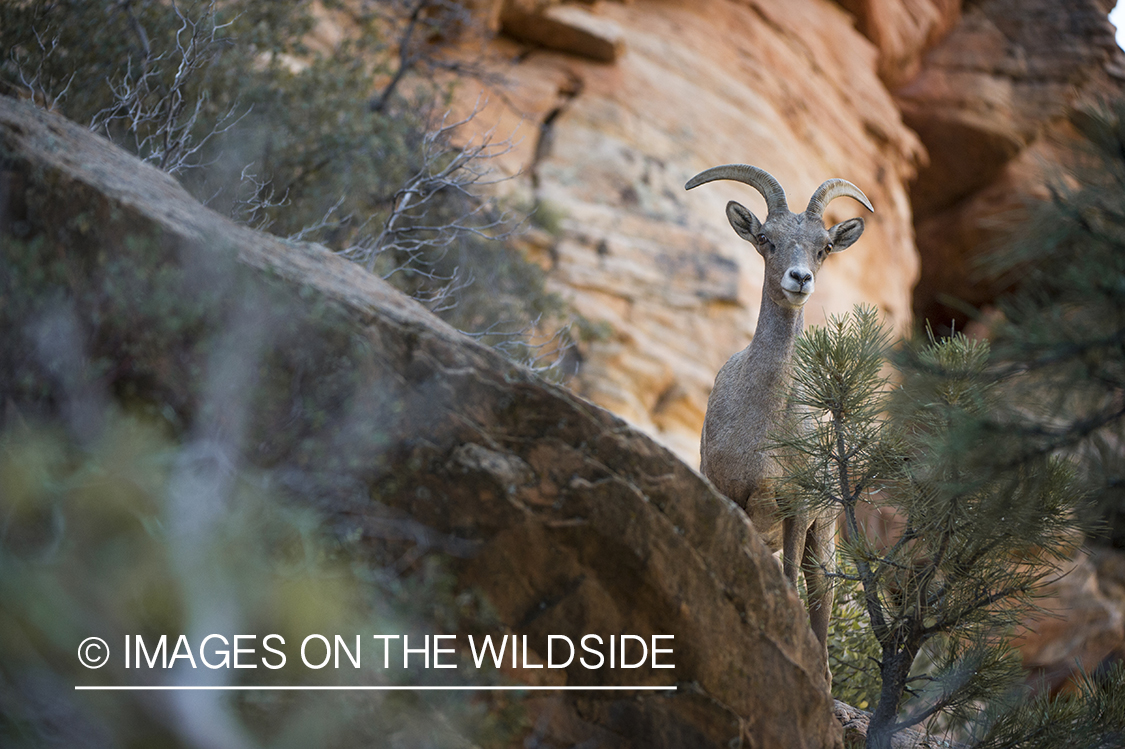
(134, 533)
(180, 449)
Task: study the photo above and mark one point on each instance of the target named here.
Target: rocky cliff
(607, 145)
(942, 115)
(415, 440)
(948, 115)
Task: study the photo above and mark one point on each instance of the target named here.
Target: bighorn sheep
(750, 393)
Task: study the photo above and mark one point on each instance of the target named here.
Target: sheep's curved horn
(759, 179)
(832, 189)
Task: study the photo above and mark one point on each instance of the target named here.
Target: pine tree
(1093, 717)
(973, 546)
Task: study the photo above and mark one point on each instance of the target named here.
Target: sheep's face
(794, 245)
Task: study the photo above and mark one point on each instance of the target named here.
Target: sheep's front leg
(792, 546)
(818, 563)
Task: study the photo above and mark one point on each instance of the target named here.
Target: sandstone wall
(788, 85)
(989, 103)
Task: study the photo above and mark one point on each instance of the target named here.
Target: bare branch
(159, 117)
(42, 90)
(254, 210)
(409, 233)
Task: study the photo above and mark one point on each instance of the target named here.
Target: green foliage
(971, 546)
(840, 393)
(347, 147)
(853, 654)
(168, 487)
(1091, 717)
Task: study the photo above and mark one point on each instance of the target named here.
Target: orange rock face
(903, 30)
(789, 86)
(944, 115)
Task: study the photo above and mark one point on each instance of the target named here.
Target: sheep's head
(794, 245)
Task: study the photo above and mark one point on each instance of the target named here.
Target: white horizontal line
(365, 688)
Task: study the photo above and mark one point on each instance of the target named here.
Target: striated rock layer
(605, 148)
(566, 520)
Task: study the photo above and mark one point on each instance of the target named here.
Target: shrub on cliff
(973, 545)
(989, 458)
(348, 147)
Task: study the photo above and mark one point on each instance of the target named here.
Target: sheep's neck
(771, 351)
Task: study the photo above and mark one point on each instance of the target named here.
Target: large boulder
(565, 519)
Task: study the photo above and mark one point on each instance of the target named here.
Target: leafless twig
(254, 209)
(411, 236)
(328, 221)
(31, 70)
(546, 358)
(160, 117)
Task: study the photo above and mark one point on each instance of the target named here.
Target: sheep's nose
(801, 277)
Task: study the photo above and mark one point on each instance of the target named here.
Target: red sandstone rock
(903, 30)
(986, 100)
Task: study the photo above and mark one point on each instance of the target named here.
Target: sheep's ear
(744, 223)
(844, 234)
